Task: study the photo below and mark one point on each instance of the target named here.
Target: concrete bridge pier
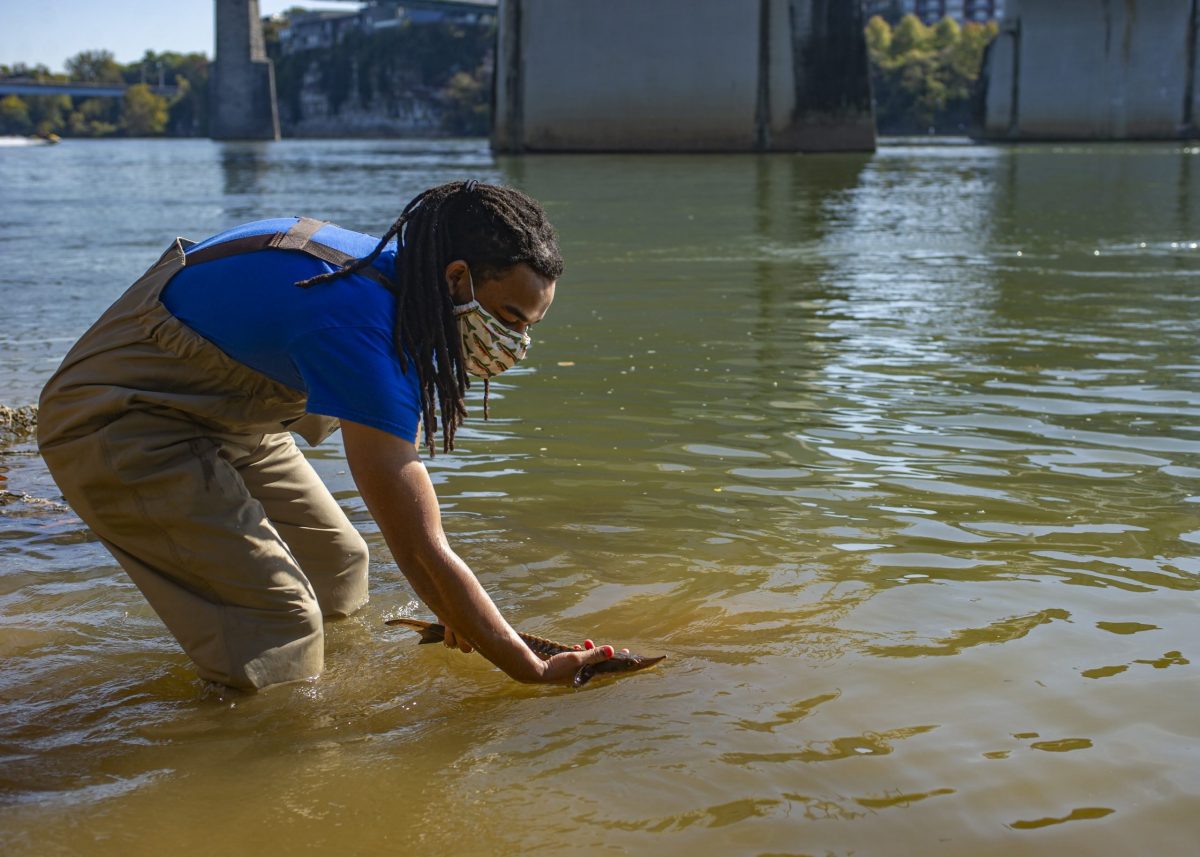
(242, 85)
(1091, 70)
(682, 75)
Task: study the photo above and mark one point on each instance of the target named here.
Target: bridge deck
(77, 89)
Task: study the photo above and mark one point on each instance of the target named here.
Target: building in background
(932, 11)
(312, 30)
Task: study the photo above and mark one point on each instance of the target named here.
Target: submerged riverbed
(896, 457)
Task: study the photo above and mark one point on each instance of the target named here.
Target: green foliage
(909, 36)
(467, 105)
(924, 77)
(140, 113)
(94, 67)
(187, 112)
(36, 72)
(93, 117)
(48, 112)
(946, 32)
(879, 37)
(143, 114)
(14, 116)
(446, 65)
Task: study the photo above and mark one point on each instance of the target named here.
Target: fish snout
(620, 662)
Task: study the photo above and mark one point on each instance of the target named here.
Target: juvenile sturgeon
(620, 662)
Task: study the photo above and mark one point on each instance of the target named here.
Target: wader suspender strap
(299, 237)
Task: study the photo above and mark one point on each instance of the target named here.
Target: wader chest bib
(181, 460)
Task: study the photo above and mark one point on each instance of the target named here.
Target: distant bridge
(77, 89)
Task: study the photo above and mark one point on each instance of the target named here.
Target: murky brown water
(897, 457)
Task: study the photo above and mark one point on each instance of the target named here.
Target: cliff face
(414, 80)
(315, 111)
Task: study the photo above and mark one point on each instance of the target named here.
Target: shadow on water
(245, 167)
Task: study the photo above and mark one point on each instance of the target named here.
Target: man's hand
(400, 496)
(561, 669)
(558, 669)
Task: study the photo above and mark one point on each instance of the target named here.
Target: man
(168, 425)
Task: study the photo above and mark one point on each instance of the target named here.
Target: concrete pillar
(682, 75)
(242, 84)
(1093, 69)
(832, 110)
(1190, 127)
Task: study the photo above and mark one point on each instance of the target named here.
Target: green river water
(896, 457)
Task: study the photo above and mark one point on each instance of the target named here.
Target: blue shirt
(333, 341)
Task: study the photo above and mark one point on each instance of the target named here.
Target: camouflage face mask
(488, 346)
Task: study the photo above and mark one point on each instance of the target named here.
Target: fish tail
(431, 632)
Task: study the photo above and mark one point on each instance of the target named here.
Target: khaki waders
(182, 462)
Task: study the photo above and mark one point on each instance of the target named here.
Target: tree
(909, 36)
(93, 117)
(466, 99)
(187, 111)
(879, 36)
(20, 69)
(946, 33)
(14, 116)
(94, 67)
(143, 114)
(923, 77)
(48, 112)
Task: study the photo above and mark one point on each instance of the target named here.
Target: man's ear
(458, 281)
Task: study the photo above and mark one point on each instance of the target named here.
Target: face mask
(488, 346)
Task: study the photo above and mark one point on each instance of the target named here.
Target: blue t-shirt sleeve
(352, 373)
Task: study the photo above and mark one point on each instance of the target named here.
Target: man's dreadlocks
(491, 228)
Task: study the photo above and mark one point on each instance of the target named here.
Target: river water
(896, 457)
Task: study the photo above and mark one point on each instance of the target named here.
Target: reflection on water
(896, 456)
(245, 167)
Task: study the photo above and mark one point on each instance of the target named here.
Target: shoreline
(17, 424)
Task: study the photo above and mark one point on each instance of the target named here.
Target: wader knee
(344, 592)
(292, 652)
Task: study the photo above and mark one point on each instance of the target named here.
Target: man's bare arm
(401, 498)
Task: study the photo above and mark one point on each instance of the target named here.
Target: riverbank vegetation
(924, 77)
(441, 71)
(141, 112)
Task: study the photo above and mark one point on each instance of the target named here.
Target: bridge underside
(682, 75)
(1081, 69)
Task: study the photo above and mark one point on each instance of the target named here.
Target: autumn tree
(94, 67)
(924, 77)
(143, 114)
(14, 116)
